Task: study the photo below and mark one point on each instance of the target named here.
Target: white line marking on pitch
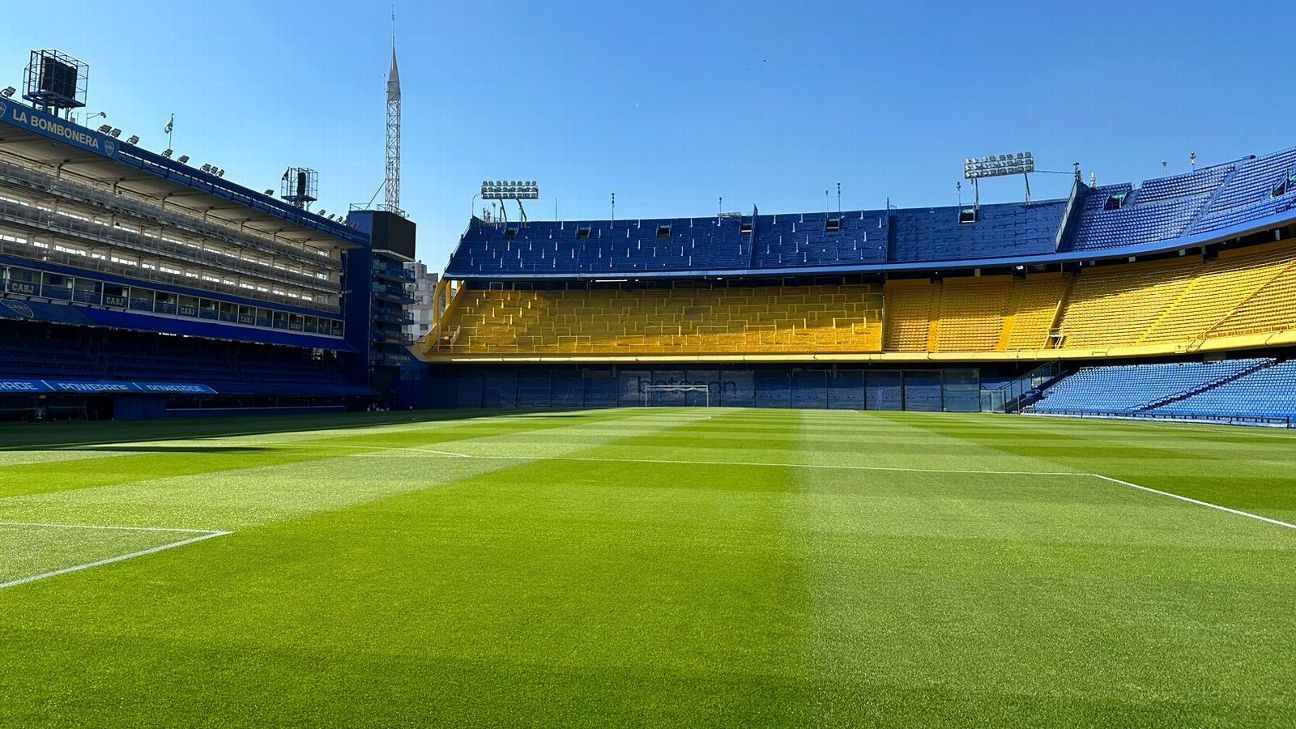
(1186, 499)
(1198, 502)
(111, 527)
(201, 536)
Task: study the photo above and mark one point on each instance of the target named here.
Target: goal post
(650, 390)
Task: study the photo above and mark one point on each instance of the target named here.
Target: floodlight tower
(391, 183)
(998, 165)
(515, 190)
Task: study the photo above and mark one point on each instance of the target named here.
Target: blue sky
(673, 104)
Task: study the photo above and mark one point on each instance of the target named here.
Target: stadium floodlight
(510, 190)
(105, 128)
(998, 165)
(114, 133)
(220, 173)
(184, 159)
(134, 139)
(166, 153)
(270, 193)
(8, 92)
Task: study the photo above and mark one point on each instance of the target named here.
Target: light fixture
(8, 92)
(269, 192)
(105, 128)
(510, 190)
(115, 133)
(134, 139)
(220, 173)
(166, 153)
(184, 159)
(997, 165)
(206, 168)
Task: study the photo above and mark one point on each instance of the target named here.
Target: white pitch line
(111, 560)
(1187, 499)
(119, 528)
(1198, 502)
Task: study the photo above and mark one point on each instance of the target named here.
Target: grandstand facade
(133, 285)
(896, 308)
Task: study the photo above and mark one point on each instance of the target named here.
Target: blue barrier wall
(605, 386)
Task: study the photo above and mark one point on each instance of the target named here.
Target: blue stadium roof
(1162, 214)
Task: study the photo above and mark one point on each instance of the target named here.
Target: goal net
(664, 394)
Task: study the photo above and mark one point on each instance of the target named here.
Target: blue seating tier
(935, 234)
(1269, 392)
(1250, 193)
(1127, 388)
(41, 351)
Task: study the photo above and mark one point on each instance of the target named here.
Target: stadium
(997, 464)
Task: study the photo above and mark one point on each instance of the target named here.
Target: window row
(58, 287)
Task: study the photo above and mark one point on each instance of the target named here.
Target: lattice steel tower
(391, 186)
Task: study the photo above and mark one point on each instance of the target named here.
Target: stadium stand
(1014, 294)
(1000, 231)
(1262, 186)
(1265, 393)
(1124, 389)
(132, 285)
(684, 318)
(1164, 306)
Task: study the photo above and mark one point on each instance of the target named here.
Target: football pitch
(647, 566)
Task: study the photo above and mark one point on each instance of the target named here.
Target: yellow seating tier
(1171, 305)
(845, 318)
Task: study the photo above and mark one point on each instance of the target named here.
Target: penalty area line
(199, 536)
(1197, 502)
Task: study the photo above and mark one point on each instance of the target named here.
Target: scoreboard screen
(58, 78)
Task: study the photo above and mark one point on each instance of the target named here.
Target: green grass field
(655, 566)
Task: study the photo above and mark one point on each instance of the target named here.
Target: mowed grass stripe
(949, 600)
(531, 594)
(171, 458)
(1220, 466)
(306, 475)
(597, 592)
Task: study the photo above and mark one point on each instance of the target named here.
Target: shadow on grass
(163, 449)
(74, 435)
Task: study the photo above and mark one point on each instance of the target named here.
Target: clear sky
(673, 104)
